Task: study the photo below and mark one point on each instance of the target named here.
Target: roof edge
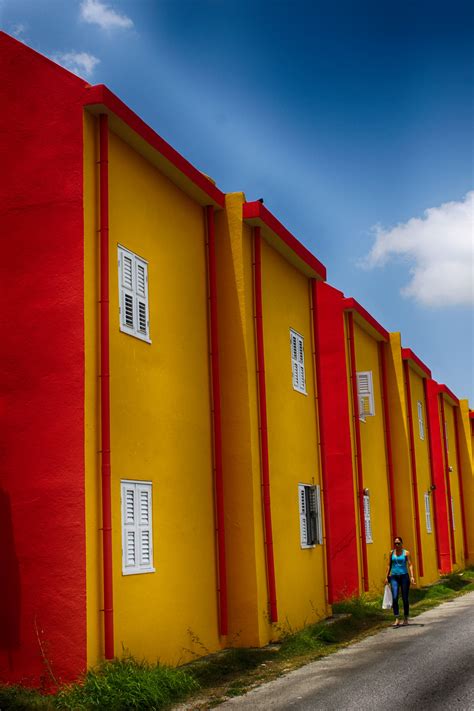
(416, 363)
(448, 395)
(366, 320)
(256, 214)
(99, 99)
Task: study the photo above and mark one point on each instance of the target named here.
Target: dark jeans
(400, 582)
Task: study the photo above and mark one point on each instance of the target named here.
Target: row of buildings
(203, 442)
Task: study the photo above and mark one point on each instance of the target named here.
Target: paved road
(428, 665)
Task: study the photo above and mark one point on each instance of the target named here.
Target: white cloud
(440, 248)
(18, 30)
(80, 63)
(98, 13)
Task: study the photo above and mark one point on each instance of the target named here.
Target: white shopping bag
(387, 598)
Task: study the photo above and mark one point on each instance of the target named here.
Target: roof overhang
(257, 215)
(448, 395)
(365, 320)
(416, 363)
(130, 127)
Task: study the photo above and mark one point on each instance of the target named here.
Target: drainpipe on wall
(419, 549)
(217, 424)
(448, 480)
(360, 474)
(105, 387)
(388, 438)
(262, 399)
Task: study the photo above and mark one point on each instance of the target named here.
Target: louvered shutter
(319, 518)
(313, 515)
(365, 394)
(129, 526)
(137, 539)
(367, 519)
(133, 287)
(303, 516)
(297, 361)
(428, 513)
(421, 423)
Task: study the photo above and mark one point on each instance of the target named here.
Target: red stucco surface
(438, 477)
(42, 533)
(336, 454)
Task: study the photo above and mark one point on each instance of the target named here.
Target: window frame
(428, 517)
(369, 538)
(297, 361)
(136, 526)
(369, 394)
(139, 297)
(310, 512)
(421, 420)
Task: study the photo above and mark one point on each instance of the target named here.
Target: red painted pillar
(336, 450)
(437, 469)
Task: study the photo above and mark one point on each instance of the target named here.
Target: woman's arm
(410, 567)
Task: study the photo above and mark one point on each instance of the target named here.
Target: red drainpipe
(419, 550)
(322, 441)
(448, 480)
(217, 425)
(360, 474)
(105, 388)
(262, 399)
(461, 491)
(388, 438)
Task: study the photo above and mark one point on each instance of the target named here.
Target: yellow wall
(423, 475)
(292, 439)
(404, 503)
(454, 481)
(160, 414)
(466, 440)
(247, 582)
(374, 461)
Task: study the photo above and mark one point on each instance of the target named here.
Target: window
(421, 422)
(428, 513)
(365, 394)
(297, 361)
(452, 513)
(311, 524)
(137, 536)
(133, 295)
(367, 519)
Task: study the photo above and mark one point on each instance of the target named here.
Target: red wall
(336, 452)
(438, 477)
(42, 537)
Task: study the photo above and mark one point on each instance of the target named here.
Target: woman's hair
(398, 538)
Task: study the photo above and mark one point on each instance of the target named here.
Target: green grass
(127, 684)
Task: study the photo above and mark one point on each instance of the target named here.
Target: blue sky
(352, 120)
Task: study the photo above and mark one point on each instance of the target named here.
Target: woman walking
(400, 575)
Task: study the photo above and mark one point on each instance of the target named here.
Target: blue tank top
(399, 563)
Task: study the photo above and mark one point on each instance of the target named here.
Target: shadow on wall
(10, 590)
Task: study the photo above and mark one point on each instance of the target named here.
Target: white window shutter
(365, 394)
(428, 513)
(367, 519)
(421, 422)
(137, 537)
(297, 361)
(133, 288)
(303, 516)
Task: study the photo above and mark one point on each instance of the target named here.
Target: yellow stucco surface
(423, 475)
(247, 582)
(292, 439)
(160, 414)
(374, 461)
(453, 474)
